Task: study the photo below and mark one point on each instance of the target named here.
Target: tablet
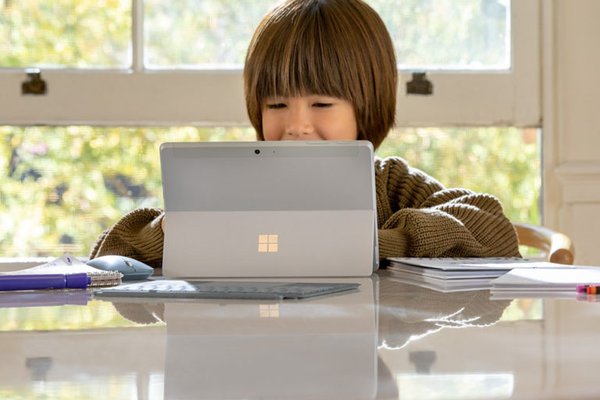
(269, 209)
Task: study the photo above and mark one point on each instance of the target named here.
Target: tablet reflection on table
(319, 348)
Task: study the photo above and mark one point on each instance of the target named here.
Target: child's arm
(138, 235)
(418, 217)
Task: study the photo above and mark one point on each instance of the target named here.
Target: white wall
(571, 109)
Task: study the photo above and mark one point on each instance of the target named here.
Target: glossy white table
(387, 341)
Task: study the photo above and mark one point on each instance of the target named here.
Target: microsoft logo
(269, 310)
(267, 243)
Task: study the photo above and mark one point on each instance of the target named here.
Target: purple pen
(40, 282)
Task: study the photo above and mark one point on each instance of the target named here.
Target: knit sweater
(416, 216)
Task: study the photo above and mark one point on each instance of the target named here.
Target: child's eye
(275, 106)
(322, 105)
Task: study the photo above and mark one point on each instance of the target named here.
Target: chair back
(557, 247)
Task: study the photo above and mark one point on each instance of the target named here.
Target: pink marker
(581, 288)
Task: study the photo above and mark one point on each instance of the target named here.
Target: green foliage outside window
(470, 34)
(505, 162)
(65, 33)
(62, 186)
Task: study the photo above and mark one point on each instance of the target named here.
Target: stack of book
(457, 274)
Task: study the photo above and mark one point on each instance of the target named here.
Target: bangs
(304, 59)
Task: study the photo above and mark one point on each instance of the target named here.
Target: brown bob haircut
(338, 48)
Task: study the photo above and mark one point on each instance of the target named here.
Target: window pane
(67, 33)
(448, 34)
(60, 187)
(187, 33)
(505, 162)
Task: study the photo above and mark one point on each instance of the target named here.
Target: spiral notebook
(67, 264)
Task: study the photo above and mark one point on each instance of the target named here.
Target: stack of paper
(457, 274)
(544, 282)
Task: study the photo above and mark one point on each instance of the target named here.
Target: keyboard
(225, 289)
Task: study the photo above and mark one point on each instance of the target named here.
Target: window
(123, 76)
(157, 62)
(64, 185)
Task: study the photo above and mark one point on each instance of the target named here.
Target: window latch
(34, 84)
(419, 84)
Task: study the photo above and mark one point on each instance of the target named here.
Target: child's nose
(299, 125)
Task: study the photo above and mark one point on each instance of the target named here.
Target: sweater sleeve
(418, 217)
(137, 234)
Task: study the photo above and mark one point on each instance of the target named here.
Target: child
(325, 70)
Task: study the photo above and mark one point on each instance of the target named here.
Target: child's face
(310, 117)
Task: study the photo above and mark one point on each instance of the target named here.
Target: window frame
(202, 97)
